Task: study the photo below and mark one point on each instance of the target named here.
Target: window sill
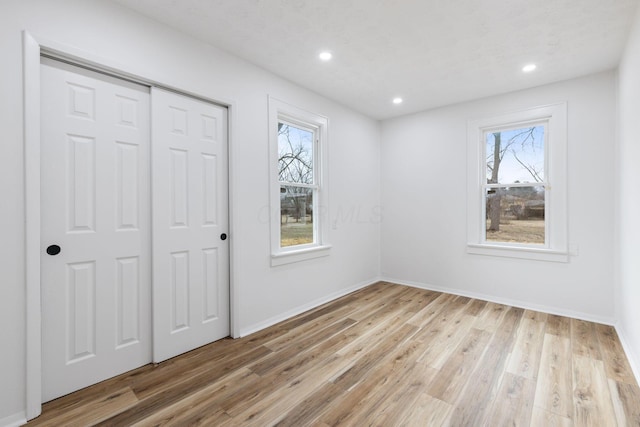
(289, 257)
(536, 254)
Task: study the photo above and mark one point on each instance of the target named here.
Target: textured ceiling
(429, 52)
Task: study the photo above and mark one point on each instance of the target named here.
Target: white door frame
(33, 47)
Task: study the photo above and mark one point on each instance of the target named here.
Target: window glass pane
(295, 154)
(515, 156)
(515, 215)
(296, 216)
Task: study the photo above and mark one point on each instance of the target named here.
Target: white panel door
(96, 291)
(190, 219)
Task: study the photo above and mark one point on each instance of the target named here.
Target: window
(298, 183)
(517, 185)
(296, 147)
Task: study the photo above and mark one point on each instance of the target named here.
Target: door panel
(190, 212)
(80, 310)
(96, 292)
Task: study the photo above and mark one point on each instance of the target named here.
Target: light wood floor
(387, 355)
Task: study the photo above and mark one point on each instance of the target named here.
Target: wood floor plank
(297, 335)
(592, 403)
(92, 411)
(616, 364)
(301, 387)
(361, 401)
(375, 327)
(377, 301)
(373, 293)
(367, 361)
(541, 417)
(445, 341)
(535, 316)
(490, 317)
(225, 355)
(277, 358)
(513, 405)
(428, 312)
(323, 356)
(273, 407)
(389, 403)
(456, 372)
(96, 391)
(525, 358)
(626, 403)
(385, 393)
(555, 384)
(558, 325)
(183, 388)
(426, 411)
(583, 339)
(384, 355)
(419, 296)
(201, 416)
(475, 307)
(359, 398)
(204, 404)
(309, 410)
(475, 400)
(445, 331)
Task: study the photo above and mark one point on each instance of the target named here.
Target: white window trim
(282, 111)
(556, 247)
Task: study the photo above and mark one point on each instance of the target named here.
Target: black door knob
(223, 236)
(53, 250)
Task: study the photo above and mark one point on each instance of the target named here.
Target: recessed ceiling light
(529, 68)
(397, 100)
(325, 56)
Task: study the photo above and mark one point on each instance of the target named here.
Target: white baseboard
(506, 301)
(14, 420)
(632, 357)
(301, 309)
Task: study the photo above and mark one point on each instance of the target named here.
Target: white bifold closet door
(134, 200)
(95, 201)
(190, 222)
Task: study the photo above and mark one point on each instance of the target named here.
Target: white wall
(628, 297)
(264, 293)
(424, 232)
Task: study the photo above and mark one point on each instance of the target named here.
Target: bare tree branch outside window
(295, 154)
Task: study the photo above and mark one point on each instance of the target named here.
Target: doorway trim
(33, 47)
